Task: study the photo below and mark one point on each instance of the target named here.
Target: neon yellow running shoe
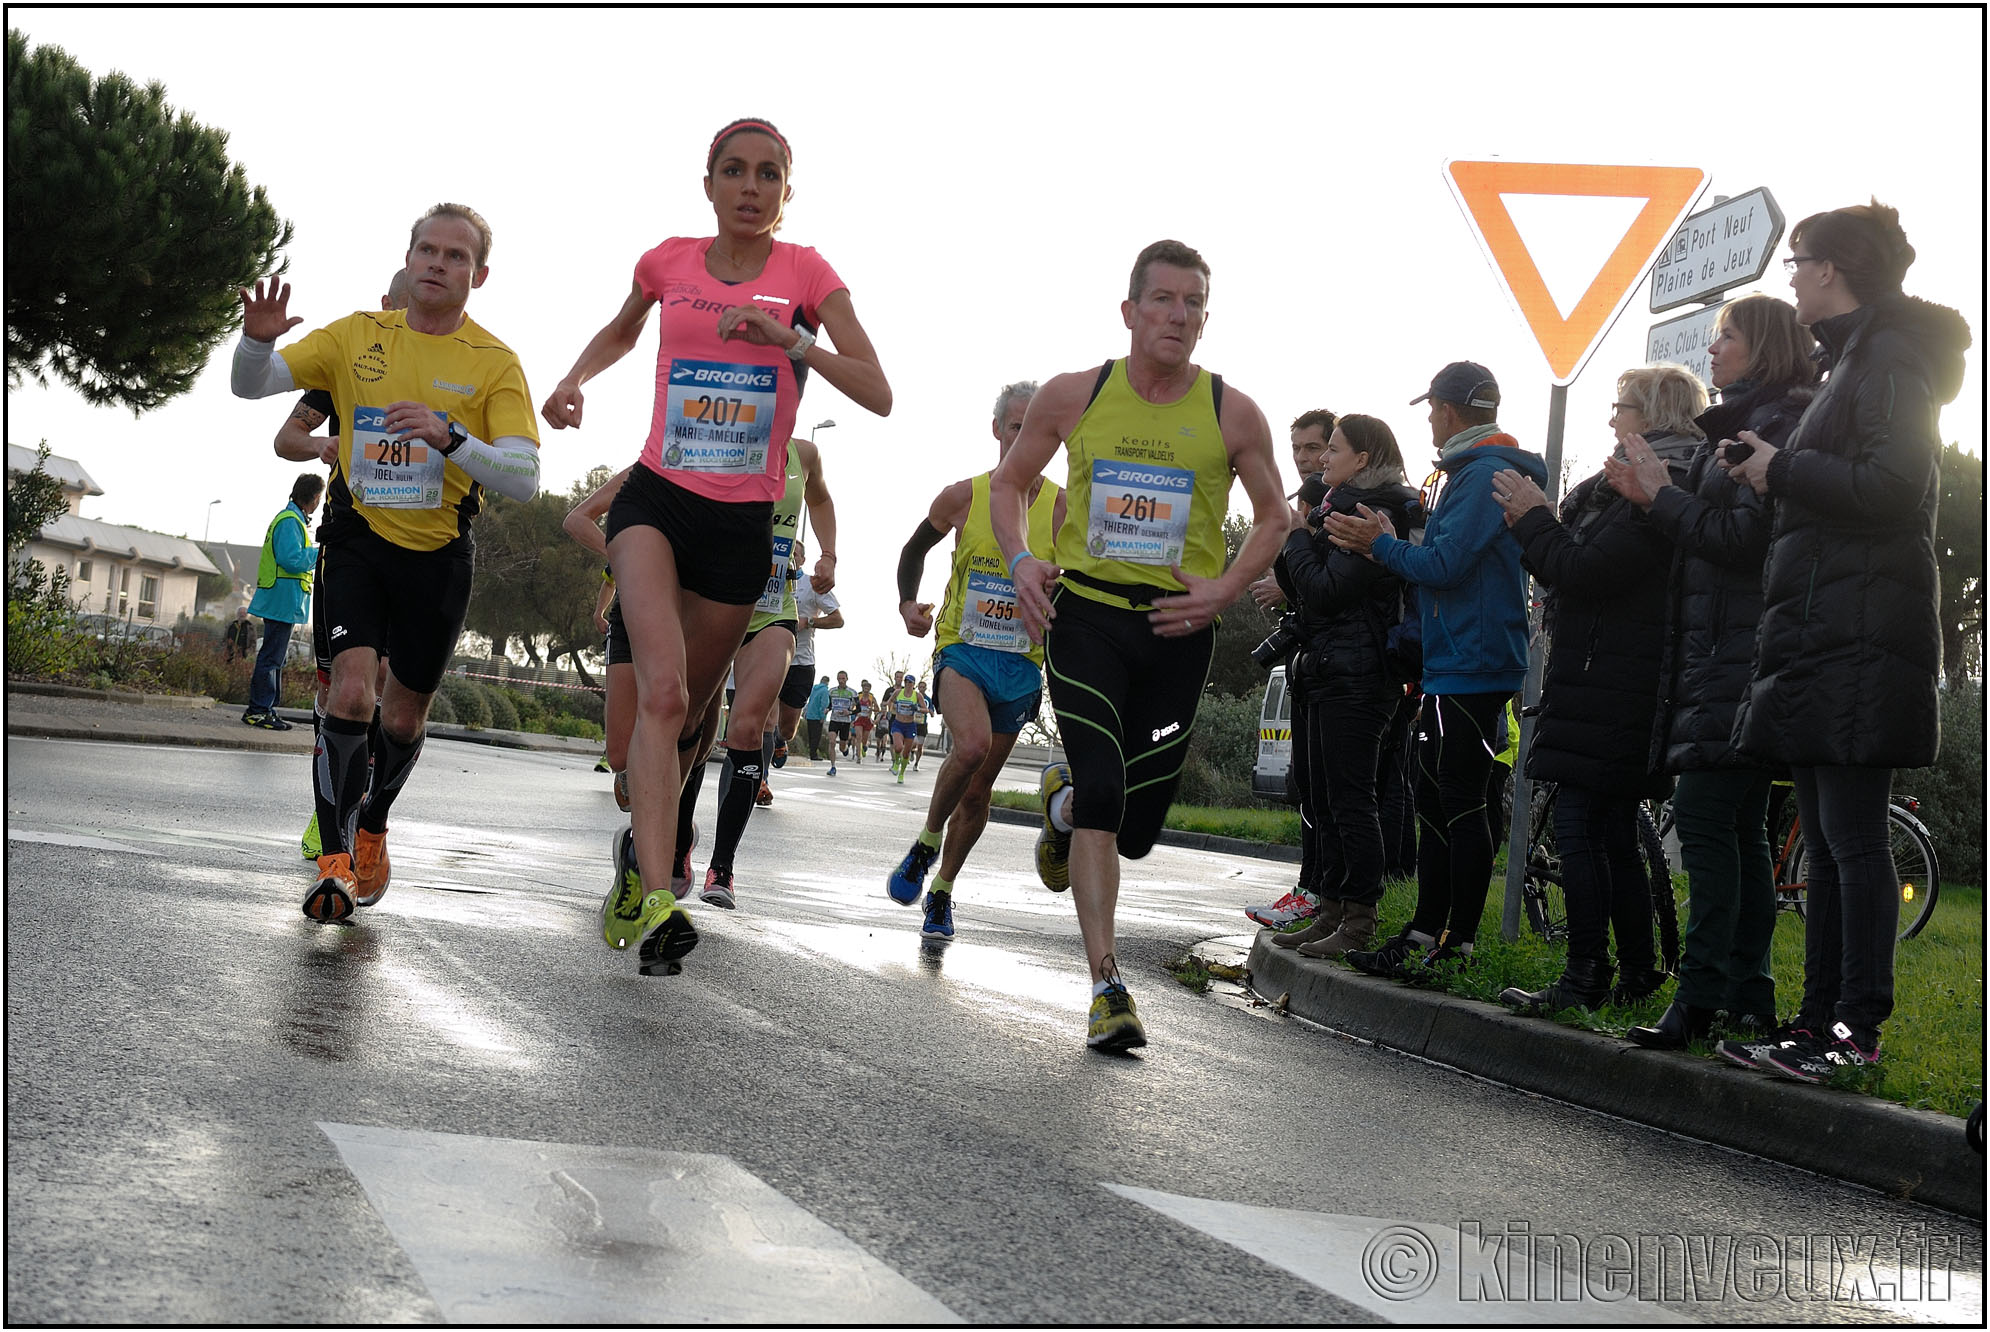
(313, 844)
(1115, 1025)
(1053, 848)
(627, 912)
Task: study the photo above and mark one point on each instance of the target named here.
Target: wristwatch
(457, 434)
(803, 341)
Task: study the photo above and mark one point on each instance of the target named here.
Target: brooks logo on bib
(393, 473)
(719, 417)
(777, 577)
(1139, 512)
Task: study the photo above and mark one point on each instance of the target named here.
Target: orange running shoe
(370, 866)
(331, 898)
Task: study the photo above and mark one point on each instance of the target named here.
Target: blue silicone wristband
(1020, 557)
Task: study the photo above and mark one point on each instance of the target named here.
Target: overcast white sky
(982, 181)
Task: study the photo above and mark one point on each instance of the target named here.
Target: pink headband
(755, 126)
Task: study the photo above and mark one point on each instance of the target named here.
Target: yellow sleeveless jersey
(777, 602)
(1149, 485)
(406, 491)
(980, 609)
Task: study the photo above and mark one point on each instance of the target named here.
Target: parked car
(1274, 740)
(112, 629)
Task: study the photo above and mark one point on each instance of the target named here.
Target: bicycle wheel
(1541, 892)
(1658, 872)
(1914, 866)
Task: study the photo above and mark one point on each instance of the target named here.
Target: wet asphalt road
(464, 1107)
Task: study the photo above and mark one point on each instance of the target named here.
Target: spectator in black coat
(1346, 603)
(239, 639)
(1762, 363)
(1604, 566)
(1848, 661)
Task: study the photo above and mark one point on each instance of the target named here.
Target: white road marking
(505, 1231)
(70, 839)
(1356, 1257)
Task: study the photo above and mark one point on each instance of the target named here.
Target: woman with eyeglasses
(1761, 363)
(1605, 567)
(1848, 660)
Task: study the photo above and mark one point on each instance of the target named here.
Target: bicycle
(1913, 852)
(1541, 889)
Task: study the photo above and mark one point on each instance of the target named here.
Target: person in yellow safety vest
(283, 596)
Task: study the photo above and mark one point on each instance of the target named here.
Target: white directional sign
(1683, 340)
(1728, 245)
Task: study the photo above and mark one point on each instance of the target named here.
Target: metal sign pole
(1520, 829)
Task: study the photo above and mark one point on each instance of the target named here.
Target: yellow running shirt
(1149, 485)
(407, 492)
(980, 609)
(777, 601)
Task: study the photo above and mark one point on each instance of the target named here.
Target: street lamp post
(209, 525)
(819, 425)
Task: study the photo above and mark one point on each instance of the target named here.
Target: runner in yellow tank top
(1127, 623)
(987, 680)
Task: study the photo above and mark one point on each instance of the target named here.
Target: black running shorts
(618, 637)
(796, 686)
(404, 604)
(721, 549)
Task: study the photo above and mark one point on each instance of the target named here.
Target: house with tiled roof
(130, 572)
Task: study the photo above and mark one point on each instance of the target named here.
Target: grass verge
(1932, 1045)
(1275, 827)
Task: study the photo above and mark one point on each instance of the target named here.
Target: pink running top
(725, 410)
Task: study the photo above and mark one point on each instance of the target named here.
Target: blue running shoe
(939, 916)
(909, 878)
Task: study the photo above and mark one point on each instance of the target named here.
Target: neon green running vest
(1149, 485)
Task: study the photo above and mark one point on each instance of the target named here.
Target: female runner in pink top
(690, 533)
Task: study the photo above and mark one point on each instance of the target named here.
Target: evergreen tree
(1959, 555)
(128, 233)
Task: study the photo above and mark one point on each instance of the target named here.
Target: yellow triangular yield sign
(1669, 194)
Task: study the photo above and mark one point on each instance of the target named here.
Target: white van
(1274, 739)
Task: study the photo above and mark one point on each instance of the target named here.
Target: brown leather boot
(1324, 922)
(1357, 930)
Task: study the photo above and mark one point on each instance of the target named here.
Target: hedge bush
(531, 715)
(504, 716)
(1951, 791)
(575, 702)
(578, 727)
(1223, 752)
(467, 701)
(440, 709)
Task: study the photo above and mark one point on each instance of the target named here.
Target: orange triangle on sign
(1669, 194)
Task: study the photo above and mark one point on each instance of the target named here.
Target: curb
(1912, 1155)
(130, 696)
(1229, 846)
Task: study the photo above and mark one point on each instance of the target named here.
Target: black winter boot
(1585, 984)
(1681, 1023)
(1638, 983)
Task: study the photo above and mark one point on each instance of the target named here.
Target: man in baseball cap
(1472, 599)
(1465, 383)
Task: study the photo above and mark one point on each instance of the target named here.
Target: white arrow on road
(1403, 1272)
(504, 1231)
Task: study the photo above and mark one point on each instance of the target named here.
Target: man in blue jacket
(1472, 602)
(283, 596)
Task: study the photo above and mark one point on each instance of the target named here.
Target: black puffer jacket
(1849, 657)
(1345, 600)
(1720, 536)
(1605, 567)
